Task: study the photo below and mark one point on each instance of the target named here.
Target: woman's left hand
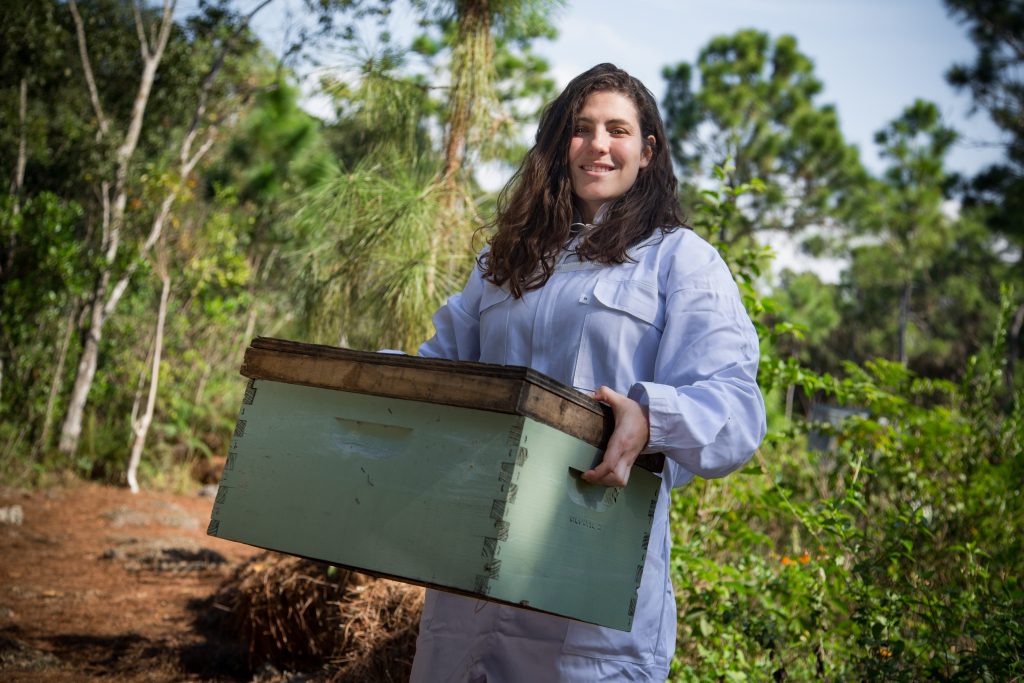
(630, 436)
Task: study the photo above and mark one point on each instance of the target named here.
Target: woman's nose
(599, 141)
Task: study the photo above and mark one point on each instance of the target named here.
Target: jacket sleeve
(457, 324)
(705, 408)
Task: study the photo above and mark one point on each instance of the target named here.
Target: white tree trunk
(71, 429)
(141, 426)
(19, 169)
(58, 374)
(152, 52)
(250, 328)
(113, 217)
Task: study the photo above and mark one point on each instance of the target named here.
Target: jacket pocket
(633, 298)
(620, 335)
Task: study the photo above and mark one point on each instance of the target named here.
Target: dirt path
(97, 583)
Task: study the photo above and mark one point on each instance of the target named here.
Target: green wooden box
(459, 476)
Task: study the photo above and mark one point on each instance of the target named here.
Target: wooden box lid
(499, 388)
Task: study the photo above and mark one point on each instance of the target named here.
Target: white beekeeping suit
(669, 330)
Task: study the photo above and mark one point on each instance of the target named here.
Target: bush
(893, 556)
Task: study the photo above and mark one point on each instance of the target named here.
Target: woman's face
(607, 150)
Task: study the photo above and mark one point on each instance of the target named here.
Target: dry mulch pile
(96, 583)
(299, 614)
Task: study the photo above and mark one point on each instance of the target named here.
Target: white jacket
(669, 330)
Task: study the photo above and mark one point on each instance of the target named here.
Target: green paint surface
(457, 498)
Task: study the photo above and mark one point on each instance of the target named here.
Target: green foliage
(996, 86)
(386, 235)
(235, 257)
(898, 281)
(374, 281)
(53, 231)
(276, 151)
(43, 268)
(953, 302)
(484, 51)
(811, 308)
(890, 556)
(755, 107)
(383, 112)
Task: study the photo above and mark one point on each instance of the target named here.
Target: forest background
(169, 199)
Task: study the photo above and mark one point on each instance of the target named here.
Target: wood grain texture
(514, 390)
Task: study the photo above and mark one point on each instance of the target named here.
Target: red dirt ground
(100, 584)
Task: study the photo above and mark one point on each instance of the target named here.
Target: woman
(591, 279)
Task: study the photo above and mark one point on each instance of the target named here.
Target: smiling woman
(591, 279)
(607, 151)
(541, 208)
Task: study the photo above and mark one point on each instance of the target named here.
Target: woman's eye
(619, 131)
(579, 130)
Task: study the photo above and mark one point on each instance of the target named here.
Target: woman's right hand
(629, 438)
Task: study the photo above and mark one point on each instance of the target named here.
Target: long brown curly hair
(537, 207)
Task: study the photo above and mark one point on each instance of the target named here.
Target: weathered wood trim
(508, 389)
(364, 376)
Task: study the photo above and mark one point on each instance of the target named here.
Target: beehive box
(459, 476)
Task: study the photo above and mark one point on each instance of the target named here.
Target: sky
(874, 57)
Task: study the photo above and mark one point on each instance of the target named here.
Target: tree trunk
(1013, 350)
(140, 386)
(71, 429)
(19, 170)
(201, 386)
(51, 400)
(141, 426)
(908, 288)
(471, 78)
(113, 217)
(472, 70)
(114, 214)
(250, 328)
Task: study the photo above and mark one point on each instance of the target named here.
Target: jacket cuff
(650, 397)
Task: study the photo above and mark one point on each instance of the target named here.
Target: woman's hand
(631, 434)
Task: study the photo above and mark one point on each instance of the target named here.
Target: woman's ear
(648, 151)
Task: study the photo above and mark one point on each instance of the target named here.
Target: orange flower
(883, 651)
(805, 558)
(786, 561)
